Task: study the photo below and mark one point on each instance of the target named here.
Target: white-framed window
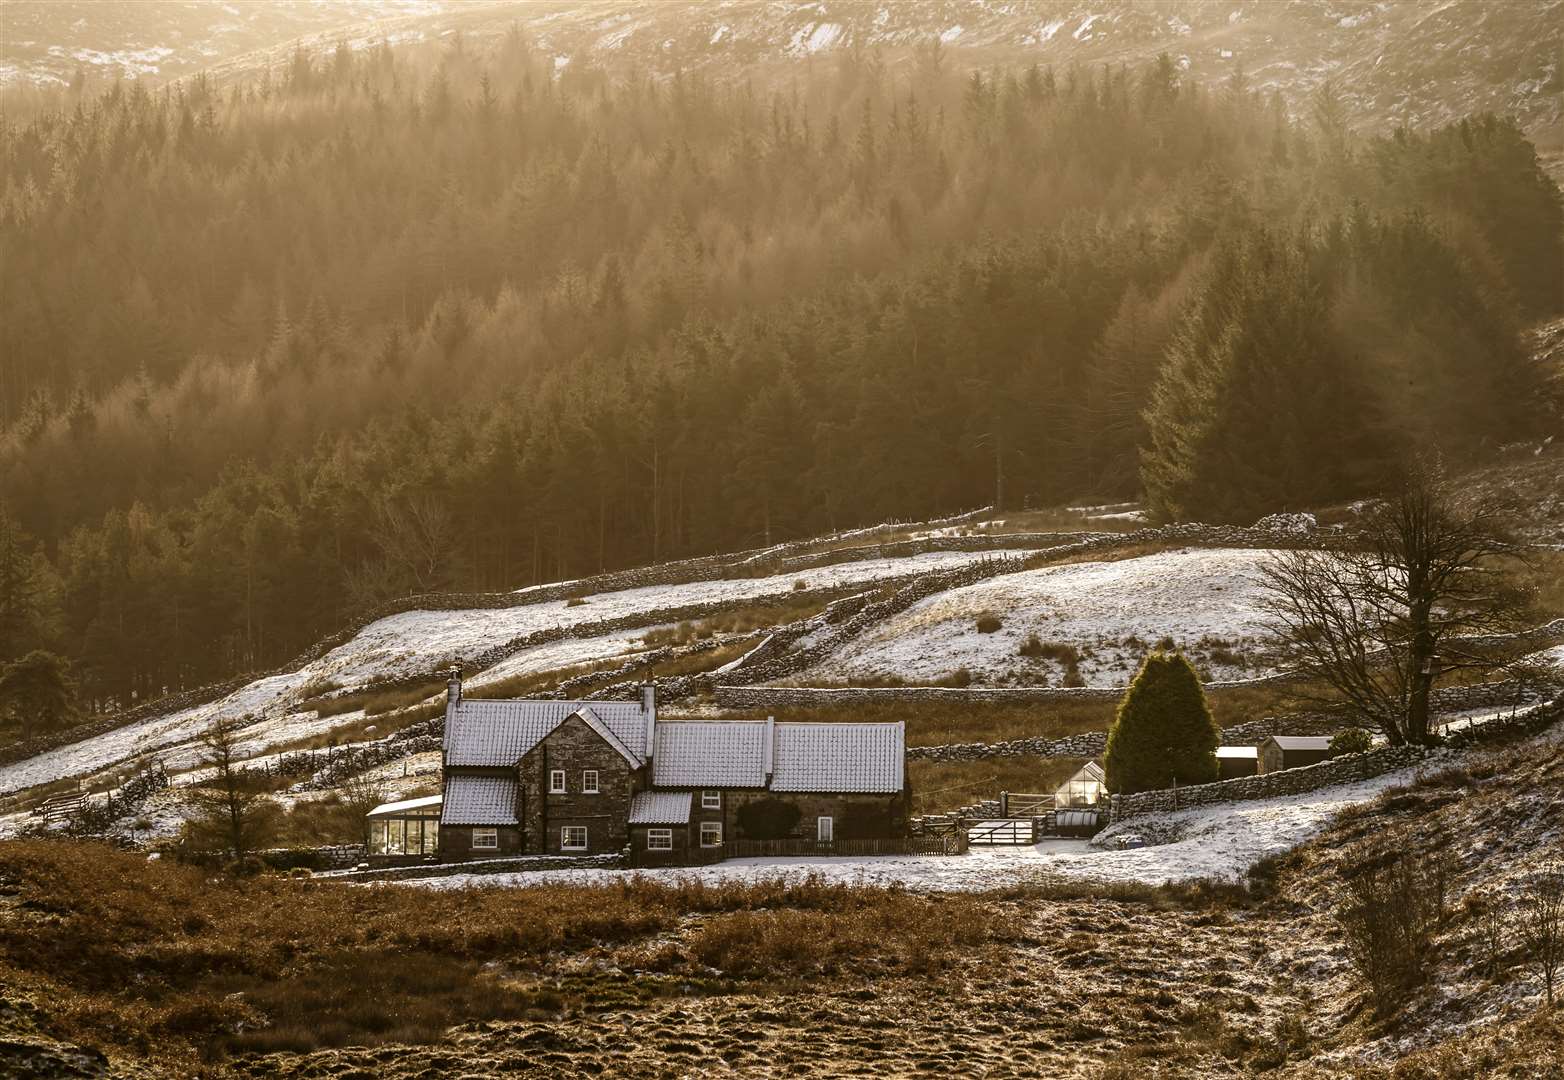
(659, 839)
(825, 829)
(711, 800)
(486, 838)
(556, 782)
(573, 838)
(711, 834)
(589, 781)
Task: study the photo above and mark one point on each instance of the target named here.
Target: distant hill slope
(1401, 63)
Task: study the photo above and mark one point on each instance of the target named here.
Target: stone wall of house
(456, 843)
(678, 855)
(857, 816)
(574, 748)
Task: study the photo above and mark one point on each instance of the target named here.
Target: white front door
(823, 828)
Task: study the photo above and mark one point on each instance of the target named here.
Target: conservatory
(409, 827)
(1085, 788)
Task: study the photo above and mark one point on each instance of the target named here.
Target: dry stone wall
(610, 861)
(1340, 770)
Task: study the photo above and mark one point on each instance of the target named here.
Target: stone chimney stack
(453, 690)
(649, 707)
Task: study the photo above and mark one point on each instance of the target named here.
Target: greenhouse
(409, 827)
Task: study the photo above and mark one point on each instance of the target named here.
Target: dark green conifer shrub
(1164, 731)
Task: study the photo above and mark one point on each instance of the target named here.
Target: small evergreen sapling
(1164, 731)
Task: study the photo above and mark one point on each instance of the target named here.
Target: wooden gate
(1001, 831)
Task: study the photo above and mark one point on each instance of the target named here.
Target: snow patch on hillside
(1206, 600)
(425, 641)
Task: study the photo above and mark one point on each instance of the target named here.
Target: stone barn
(1280, 752)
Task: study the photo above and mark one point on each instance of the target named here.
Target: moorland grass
(170, 961)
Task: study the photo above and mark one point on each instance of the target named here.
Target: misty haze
(866, 537)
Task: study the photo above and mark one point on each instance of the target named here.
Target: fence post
(1004, 804)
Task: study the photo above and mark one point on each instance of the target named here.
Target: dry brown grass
(164, 960)
(946, 785)
(1544, 573)
(937, 723)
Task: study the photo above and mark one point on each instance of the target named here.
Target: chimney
(769, 748)
(453, 690)
(649, 707)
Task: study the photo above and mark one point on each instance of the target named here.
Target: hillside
(1206, 979)
(1402, 63)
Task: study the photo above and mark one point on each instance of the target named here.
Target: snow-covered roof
(710, 753)
(488, 733)
(1301, 742)
(479, 800)
(660, 808)
(1237, 751)
(391, 808)
(838, 757)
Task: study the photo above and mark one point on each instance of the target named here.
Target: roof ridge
(591, 719)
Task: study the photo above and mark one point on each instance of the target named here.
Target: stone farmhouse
(543, 777)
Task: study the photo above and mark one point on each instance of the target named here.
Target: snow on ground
(426, 640)
(174, 729)
(1213, 842)
(562, 654)
(422, 641)
(1191, 595)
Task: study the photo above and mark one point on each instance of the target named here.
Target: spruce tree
(1164, 731)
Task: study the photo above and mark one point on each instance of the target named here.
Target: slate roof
(660, 808)
(479, 800)
(1302, 742)
(391, 809)
(715, 753)
(1237, 751)
(838, 757)
(490, 733)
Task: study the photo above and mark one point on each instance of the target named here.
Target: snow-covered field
(1206, 600)
(424, 641)
(1214, 842)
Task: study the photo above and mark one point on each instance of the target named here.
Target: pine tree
(36, 692)
(1164, 732)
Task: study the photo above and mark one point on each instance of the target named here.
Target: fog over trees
(408, 319)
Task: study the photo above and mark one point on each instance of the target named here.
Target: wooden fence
(944, 844)
(62, 806)
(1020, 804)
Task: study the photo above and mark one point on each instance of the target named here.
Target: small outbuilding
(1236, 761)
(1280, 752)
(1086, 788)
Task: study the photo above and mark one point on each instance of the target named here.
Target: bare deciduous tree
(1540, 927)
(355, 799)
(231, 807)
(418, 538)
(1380, 622)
